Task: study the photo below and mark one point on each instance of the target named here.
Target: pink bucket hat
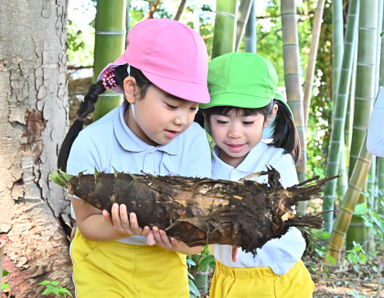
(171, 55)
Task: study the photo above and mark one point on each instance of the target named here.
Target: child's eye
(248, 122)
(172, 107)
(194, 109)
(221, 122)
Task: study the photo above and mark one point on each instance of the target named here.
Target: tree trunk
(33, 119)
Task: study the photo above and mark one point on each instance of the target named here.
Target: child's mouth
(170, 134)
(235, 147)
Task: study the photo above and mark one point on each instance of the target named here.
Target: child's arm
(95, 224)
(159, 237)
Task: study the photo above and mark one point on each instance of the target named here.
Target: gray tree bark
(33, 122)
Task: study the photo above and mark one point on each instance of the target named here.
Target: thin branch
(180, 9)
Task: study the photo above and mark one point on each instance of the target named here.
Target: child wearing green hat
(243, 102)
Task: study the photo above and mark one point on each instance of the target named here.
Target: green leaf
(5, 272)
(44, 282)
(361, 209)
(64, 291)
(60, 177)
(206, 262)
(4, 286)
(193, 289)
(331, 260)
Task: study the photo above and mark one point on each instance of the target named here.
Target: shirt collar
(130, 142)
(247, 166)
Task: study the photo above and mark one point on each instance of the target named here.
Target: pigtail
(285, 134)
(86, 107)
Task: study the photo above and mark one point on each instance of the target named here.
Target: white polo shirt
(278, 254)
(375, 139)
(109, 144)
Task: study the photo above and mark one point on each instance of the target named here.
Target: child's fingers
(134, 225)
(150, 239)
(165, 239)
(158, 237)
(145, 231)
(124, 217)
(116, 218)
(161, 238)
(107, 217)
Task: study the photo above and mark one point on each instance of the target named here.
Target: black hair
(284, 130)
(88, 105)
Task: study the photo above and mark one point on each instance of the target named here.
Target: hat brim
(238, 100)
(185, 90)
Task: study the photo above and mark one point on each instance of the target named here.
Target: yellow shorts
(114, 269)
(261, 282)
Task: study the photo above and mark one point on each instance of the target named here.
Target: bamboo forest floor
(348, 282)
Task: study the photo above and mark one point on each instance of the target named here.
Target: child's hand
(159, 237)
(124, 224)
(235, 250)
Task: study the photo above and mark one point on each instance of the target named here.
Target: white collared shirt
(109, 144)
(278, 254)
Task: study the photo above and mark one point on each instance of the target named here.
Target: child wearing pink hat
(163, 75)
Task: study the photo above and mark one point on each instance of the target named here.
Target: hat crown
(168, 48)
(171, 55)
(243, 80)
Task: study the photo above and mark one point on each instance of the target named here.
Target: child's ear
(130, 89)
(271, 116)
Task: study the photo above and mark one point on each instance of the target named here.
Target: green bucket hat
(243, 80)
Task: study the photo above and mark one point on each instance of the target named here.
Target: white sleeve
(375, 139)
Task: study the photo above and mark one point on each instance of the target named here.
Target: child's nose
(181, 117)
(234, 132)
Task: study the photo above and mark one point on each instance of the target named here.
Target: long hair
(284, 130)
(88, 105)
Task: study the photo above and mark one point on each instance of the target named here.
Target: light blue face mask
(133, 110)
(268, 131)
(132, 104)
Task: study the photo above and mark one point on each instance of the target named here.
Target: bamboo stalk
(337, 44)
(365, 75)
(342, 181)
(109, 44)
(250, 39)
(344, 216)
(292, 76)
(317, 20)
(364, 95)
(242, 20)
(224, 35)
(338, 121)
